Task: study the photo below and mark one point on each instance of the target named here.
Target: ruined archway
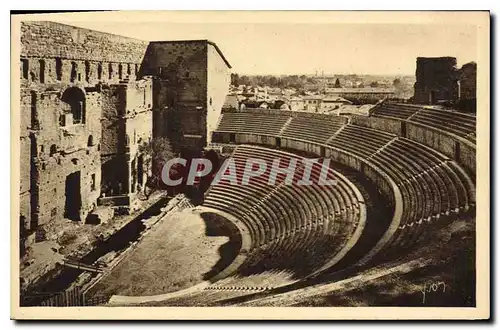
(75, 98)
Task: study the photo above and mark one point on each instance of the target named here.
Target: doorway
(432, 97)
(73, 197)
(403, 129)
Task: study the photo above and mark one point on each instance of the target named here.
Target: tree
(374, 84)
(272, 81)
(396, 83)
(156, 153)
(235, 79)
(337, 83)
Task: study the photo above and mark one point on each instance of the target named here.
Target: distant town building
(361, 95)
(312, 103)
(231, 102)
(296, 104)
(329, 103)
(254, 104)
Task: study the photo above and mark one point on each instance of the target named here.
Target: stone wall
(218, 80)
(383, 124)
(86, 106)
(192, 80)
(180, 92)
(468, 88)
(461, 150)
(50, 40)
(127, 122)
(62, 150)
(436, 79)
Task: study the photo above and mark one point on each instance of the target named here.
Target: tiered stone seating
(460, 124)
(251, 122)
(233, 286)
(394, 110)
(311, 128)
(432, 185)
(359, 140)
(288, 222)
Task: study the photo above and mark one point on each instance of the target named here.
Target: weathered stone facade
(191, 82)
(468, 89)
(127, 122)
(87, 102)
(436, 79)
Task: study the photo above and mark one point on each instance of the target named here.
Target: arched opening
(74, 69)
(87, 71)
(128, 69)
(42, 71)
(120, 71)
(53, 150)
(110, 71)
(90, 141)
(75, 98)
(58, 68)
(99, 71)
(34, 114)
(25, 67)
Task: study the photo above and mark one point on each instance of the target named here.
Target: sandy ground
(66, 238)
(174, 255)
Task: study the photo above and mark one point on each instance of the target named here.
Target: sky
(306, 48)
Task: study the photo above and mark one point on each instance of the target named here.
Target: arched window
(75, 98)
(120, 71)
(53, 150)
(74, 69)
(110, 71)
(34, 114)
(99, 71)
(42, 70)
(26, 67)
(90, 141)
(58, 68)
(87, 71)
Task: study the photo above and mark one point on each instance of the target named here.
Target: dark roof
(198, 40)
(254, 103)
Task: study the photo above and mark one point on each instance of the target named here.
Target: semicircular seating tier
(426, 187)
(297, 229)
